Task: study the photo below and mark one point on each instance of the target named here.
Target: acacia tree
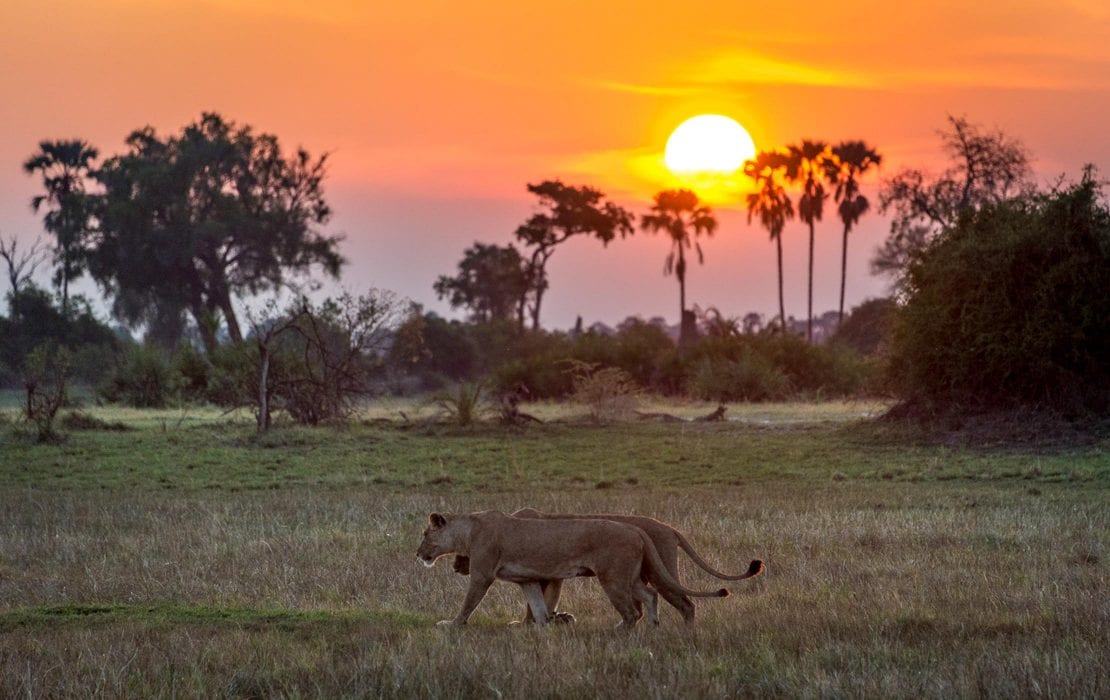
(66, 167)
(985, 168)
(683, 218)
(851, 159)
(493, 283)
(771, 204)
(806, 166)
(566, 211)
(189, 222)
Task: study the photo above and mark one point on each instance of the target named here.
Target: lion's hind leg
(622, 599)
(650, 600)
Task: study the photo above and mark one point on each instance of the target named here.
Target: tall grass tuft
(463, 406)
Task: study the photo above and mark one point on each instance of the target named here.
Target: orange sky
(439, 113)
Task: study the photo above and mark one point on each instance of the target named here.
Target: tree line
(181, 225)
(500, 282)
(181, 231)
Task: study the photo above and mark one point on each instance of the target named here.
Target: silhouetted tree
(683, 218)
(65, 167)
(806, 166)
(771, 204)
(566, 211)
(21, 264)
(986, 168)
(493, 283)
(190, 221)
(851, 159)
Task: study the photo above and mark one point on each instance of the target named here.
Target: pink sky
(438, 114)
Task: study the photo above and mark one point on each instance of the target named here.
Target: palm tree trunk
(809, 308)
(65, 267)
(782, 307)
(843, 275)
(680, 272)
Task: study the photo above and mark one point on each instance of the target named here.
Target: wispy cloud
(733, 68)
(653, 90)
(745, 66)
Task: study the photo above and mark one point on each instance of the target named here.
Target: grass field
(183, 556)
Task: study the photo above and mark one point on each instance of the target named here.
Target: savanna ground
(182, 556)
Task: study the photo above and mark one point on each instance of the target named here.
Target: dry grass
(881, 589)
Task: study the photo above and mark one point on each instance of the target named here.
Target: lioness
(526, 551)
(667, 541)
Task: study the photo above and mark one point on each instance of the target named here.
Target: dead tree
(21, 265)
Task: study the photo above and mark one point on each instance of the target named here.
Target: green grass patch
(88, 615)
(155, 454)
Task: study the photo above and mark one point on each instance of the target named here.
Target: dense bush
(35, 319)
(751, 377)
(233, 375)
(146, 377)
(434, 350)
(1011, 307)
(769, 366)
(751, 367)
(545, 376)
(867, 329)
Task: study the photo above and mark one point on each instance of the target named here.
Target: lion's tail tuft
(723, 593)
(755, 568)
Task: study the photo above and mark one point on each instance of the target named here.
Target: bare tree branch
(21, 264)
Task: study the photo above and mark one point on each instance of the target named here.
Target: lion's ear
(437, 520)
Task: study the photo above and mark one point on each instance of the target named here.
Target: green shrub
(867, 328)
(751, 377)
(145, 379)
(813, 370)
(1011, 307)
(194, 371)
(432, 348)
(46, 372)
(544, 376)
(233, 375)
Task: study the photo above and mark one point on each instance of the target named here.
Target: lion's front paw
(563, 618)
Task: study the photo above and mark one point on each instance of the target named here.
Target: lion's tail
(754, 569)
(660, 575)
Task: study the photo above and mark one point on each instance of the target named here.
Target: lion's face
(437, 541)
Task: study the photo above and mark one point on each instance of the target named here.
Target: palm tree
(65, 166)
(683, 217)
(806, 166)
(770, 202)
(851, 159)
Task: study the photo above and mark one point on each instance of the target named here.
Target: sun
(708, 144)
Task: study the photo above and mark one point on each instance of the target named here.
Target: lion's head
(440, 538)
